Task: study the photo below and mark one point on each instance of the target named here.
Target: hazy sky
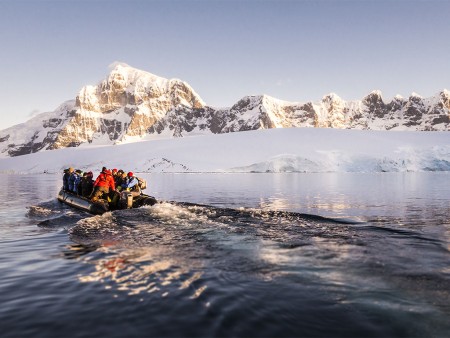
(292, 50)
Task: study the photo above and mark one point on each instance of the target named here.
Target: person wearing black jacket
(87, 184)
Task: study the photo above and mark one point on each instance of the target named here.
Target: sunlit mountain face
(133, 105)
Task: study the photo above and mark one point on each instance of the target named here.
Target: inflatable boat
(127, 201)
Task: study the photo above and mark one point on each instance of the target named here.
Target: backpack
(142, 183)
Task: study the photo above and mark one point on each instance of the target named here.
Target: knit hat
(130, 174)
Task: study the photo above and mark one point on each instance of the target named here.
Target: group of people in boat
(108, 185)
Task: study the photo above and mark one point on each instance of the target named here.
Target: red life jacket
(105, 180)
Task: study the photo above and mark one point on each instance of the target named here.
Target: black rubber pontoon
(102, 206)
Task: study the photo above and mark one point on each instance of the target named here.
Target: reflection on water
(237, 255)
(340, 206)
(168, 249)
(136, 271)
(139, 251)
(172, 243)
(75, 251)
(345, 194)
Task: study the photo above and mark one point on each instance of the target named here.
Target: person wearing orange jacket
(103, 185)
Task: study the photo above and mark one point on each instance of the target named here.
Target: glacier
(277, 150)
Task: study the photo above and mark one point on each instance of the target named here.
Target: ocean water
(231, 255)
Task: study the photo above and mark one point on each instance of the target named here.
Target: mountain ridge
(131, 105)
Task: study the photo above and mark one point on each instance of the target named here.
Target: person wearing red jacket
(103, 185)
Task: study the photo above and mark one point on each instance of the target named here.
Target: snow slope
(132, 105)
(272, 150)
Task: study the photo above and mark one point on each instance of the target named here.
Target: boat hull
(100, 207)
(82, 203)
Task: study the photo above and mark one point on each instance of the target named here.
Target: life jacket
(136, 186)
(105, 180)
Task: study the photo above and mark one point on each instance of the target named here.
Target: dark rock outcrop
(131, 104)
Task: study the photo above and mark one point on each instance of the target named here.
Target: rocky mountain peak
(333, 103)
(445, 98)
(128, 86)
(398, 98)
(270, 100)
(374, 95)
(415, 98)
(248, 102)
(373, 98)
(127, 77)
(331, 98)
(131, 104)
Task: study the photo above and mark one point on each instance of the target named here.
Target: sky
(296, 51)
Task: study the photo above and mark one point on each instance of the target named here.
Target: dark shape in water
(100, 207)
(74, 251)
(271, 213)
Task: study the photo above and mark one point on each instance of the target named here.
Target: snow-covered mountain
(304, 150)
(133, 105)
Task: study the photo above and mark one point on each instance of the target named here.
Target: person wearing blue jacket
(77, 180)
(67, 173)
(131, 184)
(71, 180)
